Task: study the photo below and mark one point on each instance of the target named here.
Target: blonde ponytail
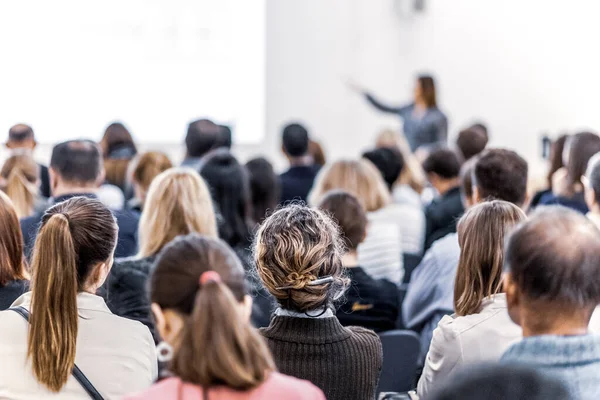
(22, 192)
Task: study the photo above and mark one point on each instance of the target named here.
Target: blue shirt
(575, 360)
(577, 202)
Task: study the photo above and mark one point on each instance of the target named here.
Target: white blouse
(460, 341)
(116, 354)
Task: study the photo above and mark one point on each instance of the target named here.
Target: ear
(476, 195)
(168, 322)
(513, 301)
(101, 177)
(53, 176)
(160, 320)
(8, 145)
(247, 307)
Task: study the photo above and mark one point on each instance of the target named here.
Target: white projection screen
(70, 67)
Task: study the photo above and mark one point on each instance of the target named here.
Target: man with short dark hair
(202, 136)
(21, 138)
(442, 167)
(370, 303)
(496, 174)
(76, 169)
(552, 285)
(471, 142)
(298, 180)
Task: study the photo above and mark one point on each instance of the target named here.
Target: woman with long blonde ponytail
(20, 181)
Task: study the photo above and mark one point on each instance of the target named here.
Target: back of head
(295, 140)
(202, 136)
(202, 279)
(230, 188)
(428, 90)
(500, 382)
(554, 258)
(359, 177)
(502, 175)
(349, 214)
(556, 157)
(466, 181)
(21, 174)
(593, 177)
(117, 142)
(77, 162)
(73, 250)
(443, 162)
(12, 261)
(294, 247)
(389, 162)
(481, 233)
(20, 133)
(148, 166)
(318, 154)
(178, 202)
(471, 142)
(264, 188)
(581, 147)
(224, 139)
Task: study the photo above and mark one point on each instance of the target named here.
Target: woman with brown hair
(567, 188)
(202, 310)
(555, 162)
(14, 278)
(118, 148)
(298, 254)
(178, 203)
(481, 329)
(19, 179)
(424, 122)
(147, 167)
(71, 331)
(380, 254)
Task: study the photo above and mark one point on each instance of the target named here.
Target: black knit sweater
(344, 362)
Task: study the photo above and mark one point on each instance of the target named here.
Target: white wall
(524, 67)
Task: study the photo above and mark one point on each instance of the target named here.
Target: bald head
(554, 258)
(20, 136)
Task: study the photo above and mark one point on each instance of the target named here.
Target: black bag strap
(77, 374)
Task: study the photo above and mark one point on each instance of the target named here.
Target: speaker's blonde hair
(178, 203)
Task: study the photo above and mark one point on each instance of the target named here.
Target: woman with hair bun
(202, 310)
(298, 254)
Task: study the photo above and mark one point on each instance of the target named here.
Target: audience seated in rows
(298, 254)
(390, 164)
(19, 179)
(265, 188)
(202, 308)
(14, 277)
(76, 169)
(370, 303)
(442, 167)
(146, 167)
(69, 324)
(297, 181)
(480, 329)
(380, 254)
(178, 203)
(567, 189)
(496, 174)
(21, 140)
(552, 264)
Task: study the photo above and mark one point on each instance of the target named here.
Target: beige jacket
(460, 341)
(116, 354)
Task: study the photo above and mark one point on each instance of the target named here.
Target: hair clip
(209, 276)
(316, 282)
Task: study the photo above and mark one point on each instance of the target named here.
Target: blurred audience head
(579, 148)
(471, 142)
(225, 138)
(117, 143)
(147, 167)
(73, 253)
(360, 178)
(552, 265)
(264, 188)
(480, 127)
(389, 162)
(19, 178)
(295, 141)
(202, 308)
(317, 153)
(501, 175)
(346, 210)
(592, 184)
(75, 166)
(13, 265)
(442, 167)
(202, 136)
(481, 233)
(21, 136)
(500, 382)
(466, 182)
(178, 203)
(556, 157)
(425, 91)
(229, 185)
(294, 247)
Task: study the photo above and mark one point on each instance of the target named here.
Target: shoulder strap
(77, 374)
